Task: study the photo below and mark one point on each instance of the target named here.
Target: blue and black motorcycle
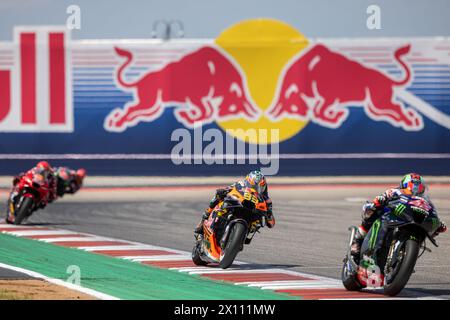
(392, 246)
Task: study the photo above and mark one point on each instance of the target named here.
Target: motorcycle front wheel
(233, 245)
(409, 253)
(196, 256)
(24, 210)
(349, 279)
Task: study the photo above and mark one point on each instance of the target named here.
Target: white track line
(91, 292)
(300, 283)
(77, 239)
(173, 257)
(145, 257)
(318, 285)
(12, 226)
(27, 233)
(206, 270)
(118, 248)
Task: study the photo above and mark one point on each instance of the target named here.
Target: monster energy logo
(374, 234)
(399, 209)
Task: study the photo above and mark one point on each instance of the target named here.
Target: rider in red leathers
(44, 169)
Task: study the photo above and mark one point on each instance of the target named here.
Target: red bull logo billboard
(328, 97)
(321, 83)
(205, 85)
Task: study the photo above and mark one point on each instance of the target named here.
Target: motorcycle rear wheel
(411, 252)
(23, 211)
(348, 280)
(234, 244)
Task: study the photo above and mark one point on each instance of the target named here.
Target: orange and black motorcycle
(232, 223)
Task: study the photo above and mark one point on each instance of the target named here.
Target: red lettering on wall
(28, 76)
(57, 78)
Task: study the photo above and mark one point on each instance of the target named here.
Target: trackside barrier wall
(360, 106)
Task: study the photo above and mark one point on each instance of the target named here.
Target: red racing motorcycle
(30, 193)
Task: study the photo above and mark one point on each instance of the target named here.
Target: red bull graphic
(321, 85)
(116, 104)
(35, 82)
(205, 84)
(234, 83)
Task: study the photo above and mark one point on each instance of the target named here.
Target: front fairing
(428, 223)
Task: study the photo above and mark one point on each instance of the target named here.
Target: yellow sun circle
(262, 47)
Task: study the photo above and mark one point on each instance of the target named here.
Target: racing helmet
(81, 173)
(414, 183)
(63, 173)
(256, 180)
(44, 165)
(44, 169)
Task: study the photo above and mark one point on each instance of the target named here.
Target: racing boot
(355, 250)
(199, 229)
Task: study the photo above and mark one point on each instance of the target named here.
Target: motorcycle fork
(11, 209)
(350, 259)
(250, 236)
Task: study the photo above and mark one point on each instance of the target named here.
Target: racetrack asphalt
(311, 234)
(7, 274)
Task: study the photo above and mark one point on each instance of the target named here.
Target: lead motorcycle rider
(44, 169)
(256, 180)
(411, 184)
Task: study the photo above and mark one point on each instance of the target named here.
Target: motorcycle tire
(408, 262)
(23, 211)
(196, 256)
(233, 245)
(349, 281)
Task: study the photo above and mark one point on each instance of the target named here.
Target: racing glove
(270, 220)
(368, 211)
(270, 217)
(380, 201)
(221, 193)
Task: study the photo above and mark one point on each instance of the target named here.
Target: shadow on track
(45, 224)
(432, 292)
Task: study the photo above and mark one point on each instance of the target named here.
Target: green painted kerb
(120, 278)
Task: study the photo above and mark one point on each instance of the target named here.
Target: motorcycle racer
(411, 184)
(44, 169)
(256, 180)
(68, 180)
